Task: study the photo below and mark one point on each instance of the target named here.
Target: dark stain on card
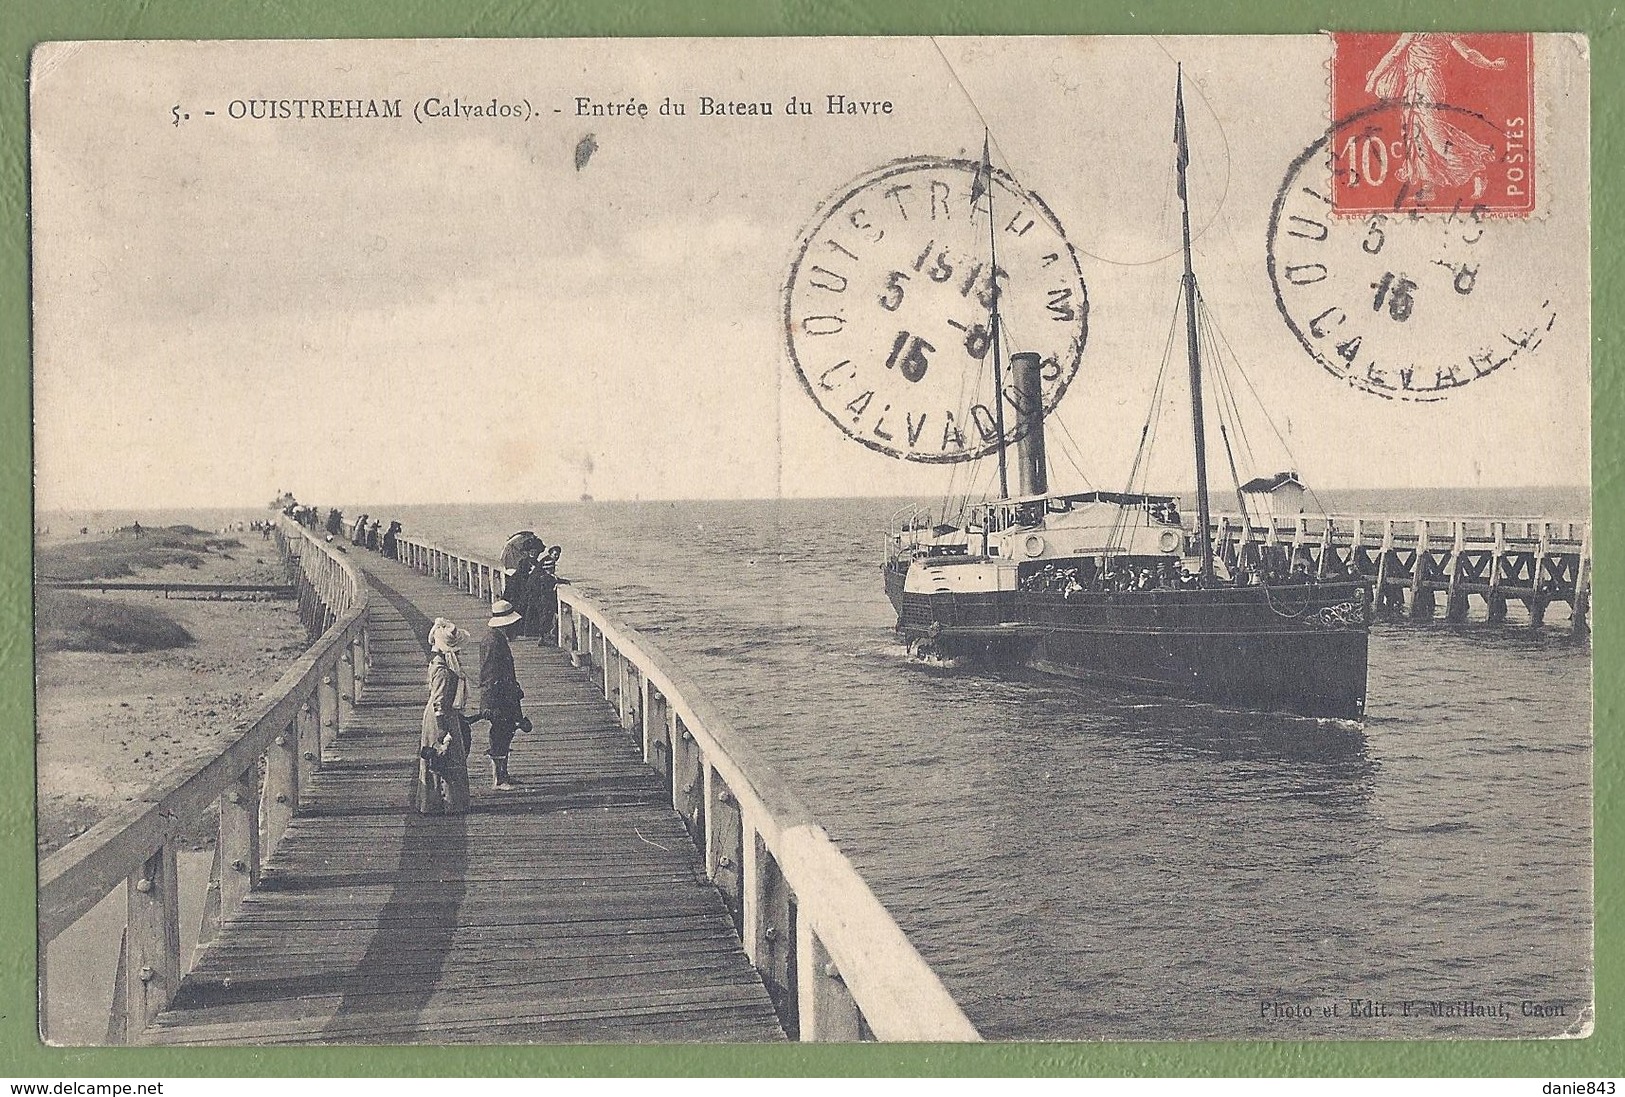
(584, 150)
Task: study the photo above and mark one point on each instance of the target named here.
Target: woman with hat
(500, 692)
(443, 755)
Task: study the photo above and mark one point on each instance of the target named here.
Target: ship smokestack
(1027, 394)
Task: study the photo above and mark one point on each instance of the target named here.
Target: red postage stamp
(1446, 123)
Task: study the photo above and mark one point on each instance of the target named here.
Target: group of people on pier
(364, 532)
(528, 606)
(530, 582)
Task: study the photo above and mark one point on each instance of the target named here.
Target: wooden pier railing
(1411, 560)
(291, 726)
(835, 962)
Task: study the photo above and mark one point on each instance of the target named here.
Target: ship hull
(1299, 649)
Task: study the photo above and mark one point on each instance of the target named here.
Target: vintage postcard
(927, 539)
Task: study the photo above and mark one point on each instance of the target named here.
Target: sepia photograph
(747, 540)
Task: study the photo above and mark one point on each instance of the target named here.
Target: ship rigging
(1111, 585)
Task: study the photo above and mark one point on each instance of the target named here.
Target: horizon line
(595, 500)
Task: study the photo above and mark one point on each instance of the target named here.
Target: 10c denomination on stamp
(888, 306)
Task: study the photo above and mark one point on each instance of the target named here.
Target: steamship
(1111, 586)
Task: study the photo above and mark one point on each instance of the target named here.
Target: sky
(480, 309)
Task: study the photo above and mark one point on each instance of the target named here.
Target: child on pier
(500, 692)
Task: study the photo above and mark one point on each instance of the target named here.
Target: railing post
(724, 844)
(646, 702)
(239, 840)
(344, 671)
(43, 981)
(627, 688)
(310, 744)
(768, 932)
(686, 793)
(152, 968)
(358, 665)
(633, 693)
(825, 1007)
(327, 708)
(281, 785)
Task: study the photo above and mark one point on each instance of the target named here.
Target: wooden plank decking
(572, 909)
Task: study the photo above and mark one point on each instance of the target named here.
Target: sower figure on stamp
(1438, 152)
(500, 692)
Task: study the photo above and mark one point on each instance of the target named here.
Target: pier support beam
(1580, 608)
(1456, 607)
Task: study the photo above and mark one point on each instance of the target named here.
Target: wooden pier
(651, 880)
(1413, 562)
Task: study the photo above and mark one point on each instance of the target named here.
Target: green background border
(22, 1055)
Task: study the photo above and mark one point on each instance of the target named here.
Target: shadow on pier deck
(574, 908)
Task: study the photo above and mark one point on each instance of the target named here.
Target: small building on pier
(1281, 494)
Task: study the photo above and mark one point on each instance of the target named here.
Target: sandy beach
(110, 724)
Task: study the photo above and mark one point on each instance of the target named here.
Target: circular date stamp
(1411, 302)
(889, 303)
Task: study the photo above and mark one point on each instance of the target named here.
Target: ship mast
(984, 183)
(1202, 517)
